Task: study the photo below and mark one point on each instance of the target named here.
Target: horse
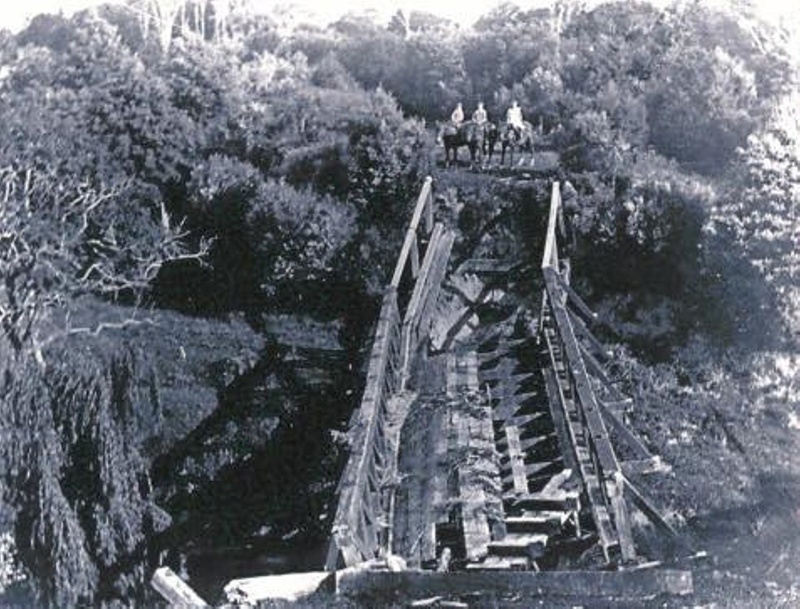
(467, 134)
(491, 135)
(511, 140)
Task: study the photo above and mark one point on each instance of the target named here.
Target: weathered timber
(289, 587)
(583, 331)
(641, 584)
(174, 590)
(538, 522)
(516, 460)
(418, 316)
(624, 434)
(548, 502)
(573, 298)
(531, 545)
(576, 433)
(424, 206)
(599, 443)
(649, 510)
(641, 467)
(597, 370)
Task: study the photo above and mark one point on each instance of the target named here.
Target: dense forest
(175, 177)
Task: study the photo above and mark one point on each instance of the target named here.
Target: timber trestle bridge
(489, 458)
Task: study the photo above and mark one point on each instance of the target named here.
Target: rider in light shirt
(479, 116)
(514, 118)
(458, 115)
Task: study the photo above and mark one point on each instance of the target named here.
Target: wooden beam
(641, 467)
(597, 370)
(517, 460)
(582, 329)
(175, 591)
(625, 434)
(649, 510)
(550, 257)
(641, 584)
(577, 301)
(411, 233)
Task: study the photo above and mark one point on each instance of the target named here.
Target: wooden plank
(505, 563)
(586, 398)
(649, 510)
(439, 269)
(499, 372)
(421, 287)
(597, 370)
(516, 460)
(287, 587)
(550, 256)
(574, 299)
(535, 441)
(174, 590)
(440, 494)
(411, 235)
(625, 434)
(516, 542)
(581, 329)
(562, 501)
(559, 421)
(641, 467)
(546, 523)
(640, 584)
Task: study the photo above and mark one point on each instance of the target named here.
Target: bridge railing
(421, 307)
(415, 244)
(360, 526)
(601, 473)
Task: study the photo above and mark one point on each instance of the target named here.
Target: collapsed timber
(484, 455)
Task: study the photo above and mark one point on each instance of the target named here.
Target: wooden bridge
(489, 454)
(490, 448)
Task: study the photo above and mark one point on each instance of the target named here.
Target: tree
(60, 240)
(762, 211)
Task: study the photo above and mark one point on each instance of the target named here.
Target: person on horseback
(479, 116)
(514, 119)
(457, 117)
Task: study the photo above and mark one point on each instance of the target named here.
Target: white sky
(15, 13)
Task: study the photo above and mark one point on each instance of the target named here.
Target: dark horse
(512, 140)
(491, 135)
(467, 134)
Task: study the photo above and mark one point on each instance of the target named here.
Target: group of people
(480, 117)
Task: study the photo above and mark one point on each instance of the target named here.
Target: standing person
(457, 117)
(514, 119)
(479, 116)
